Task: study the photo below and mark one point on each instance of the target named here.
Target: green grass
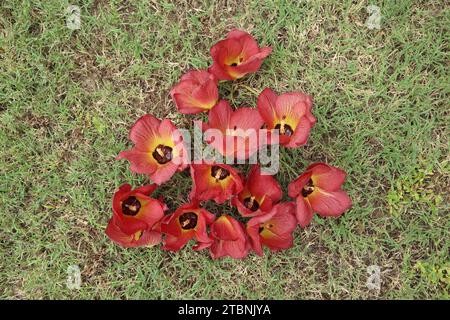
(68, 98)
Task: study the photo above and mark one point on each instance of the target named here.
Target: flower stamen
(131, 206)
(188, 220)
(162, 154)
(219, 173)
(284, 128)
(308, 188)
(251, 204)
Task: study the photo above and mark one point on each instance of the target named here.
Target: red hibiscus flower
(229, 237)
(196, 92)
(290, 113)
(158, 150)
(236, 133)
(135, 216)
(259, 195)
(214, 181)
(144, 237)
(274, 229)
(236, 56)
(186, 223)
(319, 190)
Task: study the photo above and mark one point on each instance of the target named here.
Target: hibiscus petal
(219, 117)
(283, 221)
(236, 56)
(146, 190)
(296, 186)
(117, 235)
(144, 130)
(255, 240)
(327, 177)
(168, 132)
(251, 65)
(327, 203)
(263, 185)
(249, 46)
(224, 229)
(206, 95)
(290, 107)
(151, 212)
(202, 245)
(218, 71)
(303, 212)
(301, 134)
(186, 104)
(164, 173)
(172, 243)
(275, 241)
(119, 195)
(236, 33)
(140, 162)
(149, 238)
(200, 231)
(146, 237)
(246, 118)
(234, 249)
(266, 107)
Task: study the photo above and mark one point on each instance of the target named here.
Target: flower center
(251, 204)
(236, 63)
(284, 128)
(131, 206)
(188, 220)
(308, 188)
(162, 154)
(268, 226)
(219, 173)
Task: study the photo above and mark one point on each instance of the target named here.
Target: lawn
(68, 98)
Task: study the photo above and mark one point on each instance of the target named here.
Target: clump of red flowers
(261, 218)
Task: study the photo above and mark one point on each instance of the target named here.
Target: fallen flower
(196, 92)
(236, 56)
(233, 133)
(273, 230)
(318, 189)
(230, 238)
(158, 151)
(259, 194)
(135, 215)
(186, 223)
(289, 113)
(214, 181)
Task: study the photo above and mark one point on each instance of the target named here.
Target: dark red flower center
(162, 154)
(251, 204)
(308, 188)
(285, 129)
(188, 220)
(131, 206)
(219, 173)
